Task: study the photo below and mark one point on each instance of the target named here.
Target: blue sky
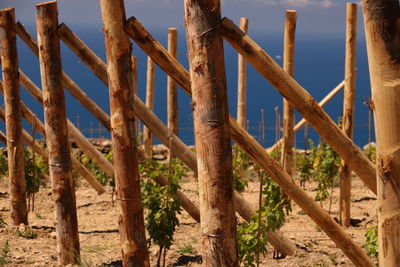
(314, 16)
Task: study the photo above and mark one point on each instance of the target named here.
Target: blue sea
(319, 67)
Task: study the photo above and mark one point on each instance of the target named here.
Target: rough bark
(383, 48)
(171, 84)
(288, 66)
(119, 71)
(15, 148)
(302, 101)
(147, 135)
(348, 109)
(56, 134)
(253, 148)
(242, 79)
(213, 144)
(243, 207)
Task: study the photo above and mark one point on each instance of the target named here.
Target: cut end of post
(6, 10)
(47, 3)
(172, 29)
(288, 11)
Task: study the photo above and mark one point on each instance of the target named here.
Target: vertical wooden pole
(288, 66)
(383, 48)
(276, 124)
(213, 143)
(135, 89)
(242, 75)
(119, 70)
(172, 92)
(57, 135)
(15, 148)
(348, 109)
(147, 135)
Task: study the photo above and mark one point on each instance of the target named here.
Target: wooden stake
(15, 148)
(144, 39)
(147, 135)
(348, 109)
(382, 36)
(56, 134)
(213, 144)
(302, 101)
(242, 79)
(243, 207)
(119, 70)
(288, 117)
(173, 122)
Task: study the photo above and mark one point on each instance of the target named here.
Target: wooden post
(56, 134)
(288, 66)
(302, 101)
(67, 82)
(119, 71)
(348, 109)
(382, 36)
(134, 84)
(171, 86)
(242, 79)
(303, 122)
(147, 135)
(144, 39)
(213, 144)
(243, 207)
(15, 148)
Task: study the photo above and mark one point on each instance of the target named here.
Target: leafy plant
(326, 166)
(162, 220)
(240, 168)
(2, 222)
(252, 236)
(304, 164)
(97, 172)
(187, 249)
(5, 254)
(3, 163)
(26, 232)
(33, 172)
(371, 241)
(370, 152)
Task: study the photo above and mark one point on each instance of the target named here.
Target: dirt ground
(99, 239)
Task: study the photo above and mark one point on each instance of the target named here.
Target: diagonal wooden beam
(172, 67)
(32, 119)
(302, 101)
(159, 129)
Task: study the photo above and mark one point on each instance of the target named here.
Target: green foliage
(5, 254)
(370, 152)
(249, 243)
(33, 172)
(3, 163)
(276, 154)
(326, 166)
(161, 220)
(26, 232)
(187, 249)
(2, 222)
(97, 172)
(240, 168)
(273, 213)
(371, 241)
(304, 164)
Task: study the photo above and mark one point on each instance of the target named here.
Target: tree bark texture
(348, 109)
(213, 143)
(147, 135)
(173, 122)
(288, 66)
(57, 135)
(119, 70)
(15, 148)
(242, 79)
(383, 48)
